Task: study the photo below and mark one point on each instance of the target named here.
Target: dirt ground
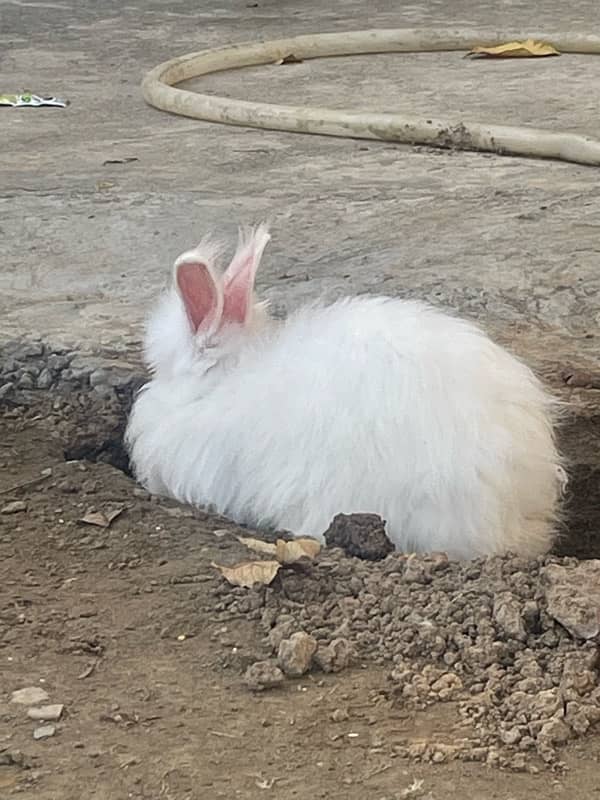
(123, 626)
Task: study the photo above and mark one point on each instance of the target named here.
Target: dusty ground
(125, 627)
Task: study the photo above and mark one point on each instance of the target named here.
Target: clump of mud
(360, 535)
(514, 643)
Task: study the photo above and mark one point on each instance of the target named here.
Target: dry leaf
(102, 519)
(248, 573)
(88, 670)
(290, 552)
(284, 552)
(526, 49)
(291, 59)
(258, 545)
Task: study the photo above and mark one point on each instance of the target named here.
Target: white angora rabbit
(368, 404)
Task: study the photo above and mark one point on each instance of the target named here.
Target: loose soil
(126, 627)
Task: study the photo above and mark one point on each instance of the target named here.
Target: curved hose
(158, 91)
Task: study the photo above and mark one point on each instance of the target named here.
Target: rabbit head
(206, 314)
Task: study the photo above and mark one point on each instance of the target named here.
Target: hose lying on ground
(158, 91)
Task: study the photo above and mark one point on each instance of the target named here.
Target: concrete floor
(86, 244)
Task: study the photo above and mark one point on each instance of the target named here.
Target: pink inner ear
(238, 291)
(239, 277)
(200, 296)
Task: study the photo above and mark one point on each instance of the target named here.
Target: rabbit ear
(201, 293)
(238, 280)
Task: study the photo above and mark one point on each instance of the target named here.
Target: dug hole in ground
(129, 666)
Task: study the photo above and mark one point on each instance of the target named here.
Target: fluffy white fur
(370, 404)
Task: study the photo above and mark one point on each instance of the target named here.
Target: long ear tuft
(200, 291)
(239, 277)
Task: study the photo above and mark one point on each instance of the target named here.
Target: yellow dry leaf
(290, 552)
(527, 49)
(284, 552)
(268, 548)
(248, 573)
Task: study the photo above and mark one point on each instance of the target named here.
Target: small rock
(14, 507)
(57, 362)
(580, 671)
(29, 696)
(98, 377)
(44, 380)
(576, 718)
(511, 736)
(518, 762)
(280, 632)
(336, 656)
(263, 675)
(67, 486)
(507, 615)
(447, 685)
(46, 713)
(120, 380)
(6, 389)
(573, 597)
(31, 350)
(13, 758)
(554, 732)
(104, 392)
(25, 381)
(295, 654)
(340, 715)
(44, 731)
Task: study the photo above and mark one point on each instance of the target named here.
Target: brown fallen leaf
(248, 573)
(268, 548)
(290, 59)
(102, 519)
(290, 552)
(527, 49)
(285, 552)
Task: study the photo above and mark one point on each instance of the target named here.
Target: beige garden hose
(158, 90)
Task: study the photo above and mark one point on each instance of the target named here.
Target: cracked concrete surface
(87, 245)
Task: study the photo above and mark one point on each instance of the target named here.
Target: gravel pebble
(28, 365)
(295, 654)
(29, 696)
(44, 731)
(494, 635)
(335, 656)
(263, 675)
(44, 380)
(50, 713)
(573, 597)
(14, 507)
